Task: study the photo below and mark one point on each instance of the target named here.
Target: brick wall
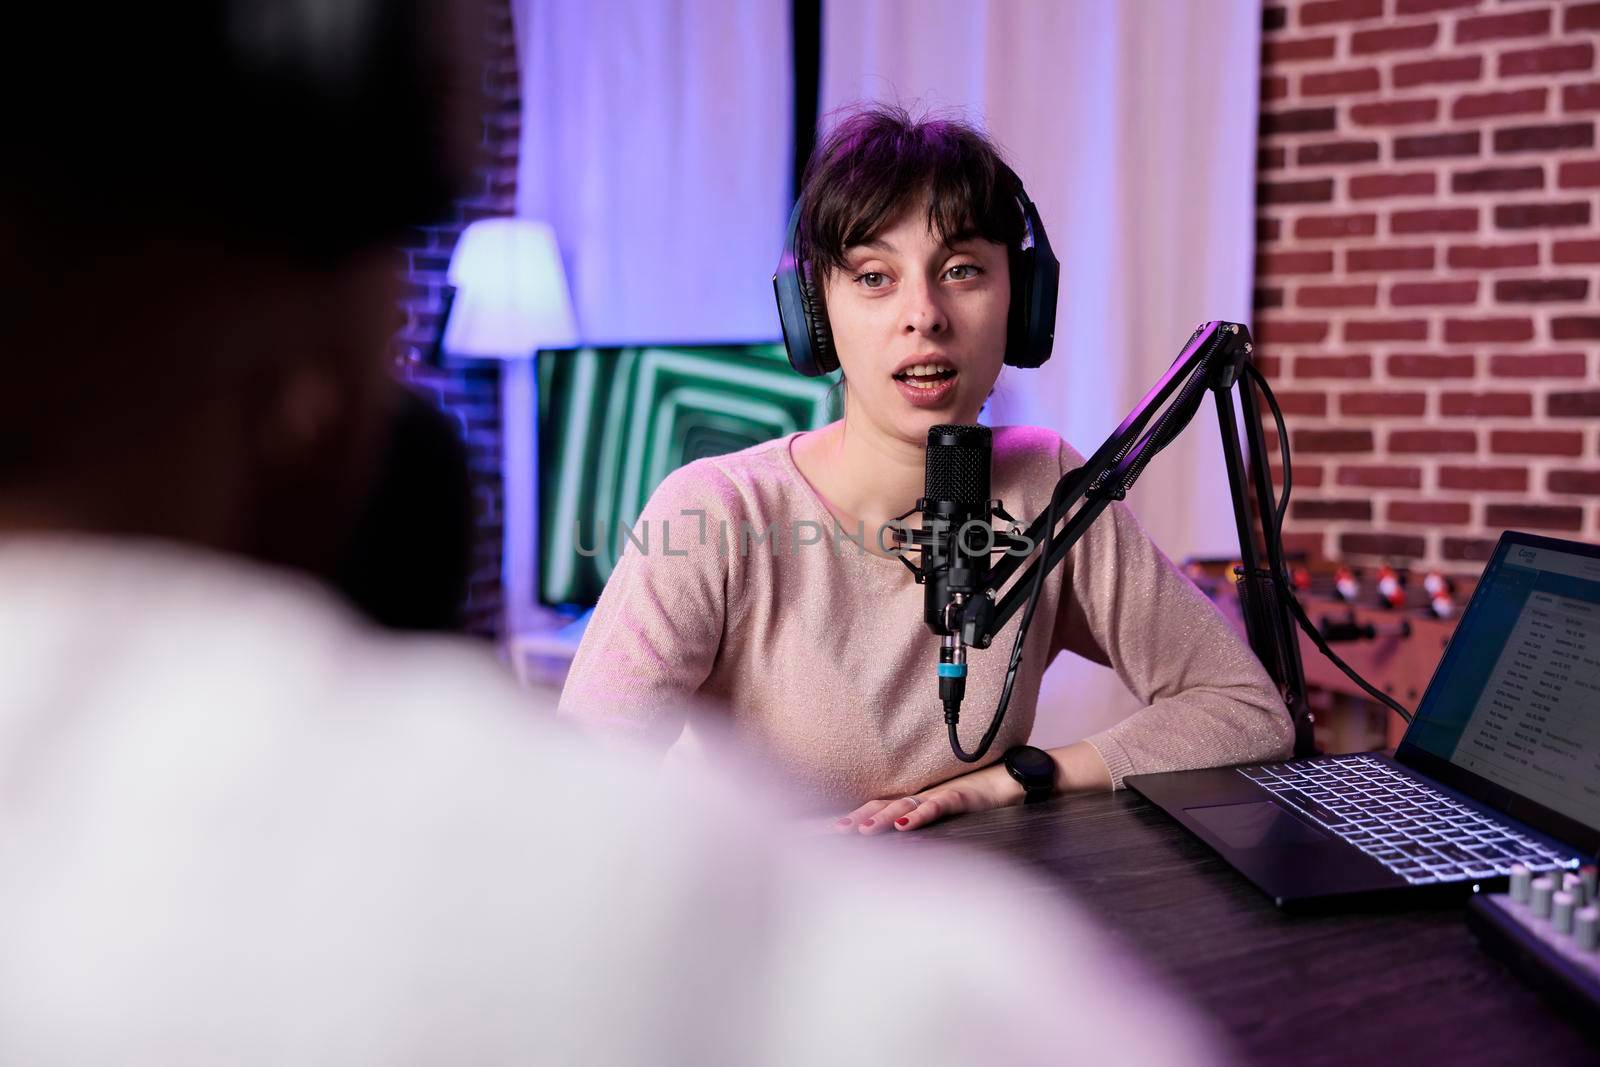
(1428, 271)
(471, 391)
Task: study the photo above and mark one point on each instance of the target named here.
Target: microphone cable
(952, 716)
(1276, 533)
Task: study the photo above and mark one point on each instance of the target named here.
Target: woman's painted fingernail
(902, 821)
(843, 822)
(868, 822)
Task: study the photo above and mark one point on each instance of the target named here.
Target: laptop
(1501, 765)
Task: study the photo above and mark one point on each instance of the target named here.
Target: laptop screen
(1516, 699)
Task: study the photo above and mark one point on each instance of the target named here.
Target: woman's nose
(924, 314)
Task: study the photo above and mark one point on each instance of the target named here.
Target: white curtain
(657, 139)
(1132, 124)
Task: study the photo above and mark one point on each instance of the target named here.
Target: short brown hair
(869, 167)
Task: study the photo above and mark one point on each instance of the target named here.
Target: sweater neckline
(786, 446)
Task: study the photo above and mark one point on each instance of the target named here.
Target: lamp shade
(511, 291)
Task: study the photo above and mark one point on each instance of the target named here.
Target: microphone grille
(958, 464)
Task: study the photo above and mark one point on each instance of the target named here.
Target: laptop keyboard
(1411, 828)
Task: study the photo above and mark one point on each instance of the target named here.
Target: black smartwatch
(1034, 770)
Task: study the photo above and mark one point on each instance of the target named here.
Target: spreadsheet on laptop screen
(1517, 700)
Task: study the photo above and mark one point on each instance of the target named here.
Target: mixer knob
(1543, 889)
(1521, 883)
(1561, 906)
(1586, 930)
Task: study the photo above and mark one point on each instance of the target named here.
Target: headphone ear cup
(1035, 284)
(1018, 334)
(816, 315)
(806, 334)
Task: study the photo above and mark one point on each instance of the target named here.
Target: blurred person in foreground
(240, 825)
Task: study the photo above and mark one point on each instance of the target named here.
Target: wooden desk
(1408, 987)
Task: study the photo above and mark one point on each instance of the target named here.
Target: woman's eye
(872, 279)
(962, 271)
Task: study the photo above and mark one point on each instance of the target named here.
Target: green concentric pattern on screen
(613, 422)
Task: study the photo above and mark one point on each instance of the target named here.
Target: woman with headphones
(917, 266)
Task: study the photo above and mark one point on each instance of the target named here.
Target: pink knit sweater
(817, 654)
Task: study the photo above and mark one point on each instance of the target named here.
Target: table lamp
(507, 294)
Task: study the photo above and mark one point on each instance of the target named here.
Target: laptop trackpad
(1255, 825)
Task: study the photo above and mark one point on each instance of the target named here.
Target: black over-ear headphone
(1030, 322)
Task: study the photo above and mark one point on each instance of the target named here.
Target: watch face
(1032, 763)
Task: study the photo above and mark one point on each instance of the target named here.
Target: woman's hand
(1079, 769)
(991, 787)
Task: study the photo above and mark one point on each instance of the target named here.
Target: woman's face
(919, 325)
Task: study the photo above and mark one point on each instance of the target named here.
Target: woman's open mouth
(927, 384)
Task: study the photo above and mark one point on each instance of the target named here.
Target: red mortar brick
(1408, 365)
(1438, 71)
(1581, 17)
(1276, 50)
(1289, 332)
(1575, 328)
(1584, 97)
(1312, 227)
(1486, 257)
(1467, 331)
(1586, 483)
(1386, 330)
(1394, 112)
(1579, 174)
(1372, 186)
(1544, 138)
(1486, 404)
(1385, 403)
(1381, 477)
(1486, 105)
(1497, 180)
(1492, 27)
(1485, 479)
(1575, 252)
(1321, 11)
(1357, 510)
(1574, 405)
(1387, 545)
(1340, 82)
(1332, 367)
(1357, 260)
(1433, 441)
(1307, 440)
(1449, 513)
(1403, 294)
(1537, 290)
(1336, 296)
(1536, 442)
(1533, 516)
(1552, 59)
(1394, 38)
(1547, 365)
(1435, 220)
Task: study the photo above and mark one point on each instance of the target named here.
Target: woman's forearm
(1079, 769)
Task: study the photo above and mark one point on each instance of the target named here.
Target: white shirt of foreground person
(236, 826)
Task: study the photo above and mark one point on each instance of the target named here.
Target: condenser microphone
(956, 512)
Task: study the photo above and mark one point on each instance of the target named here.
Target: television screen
(614, 422)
